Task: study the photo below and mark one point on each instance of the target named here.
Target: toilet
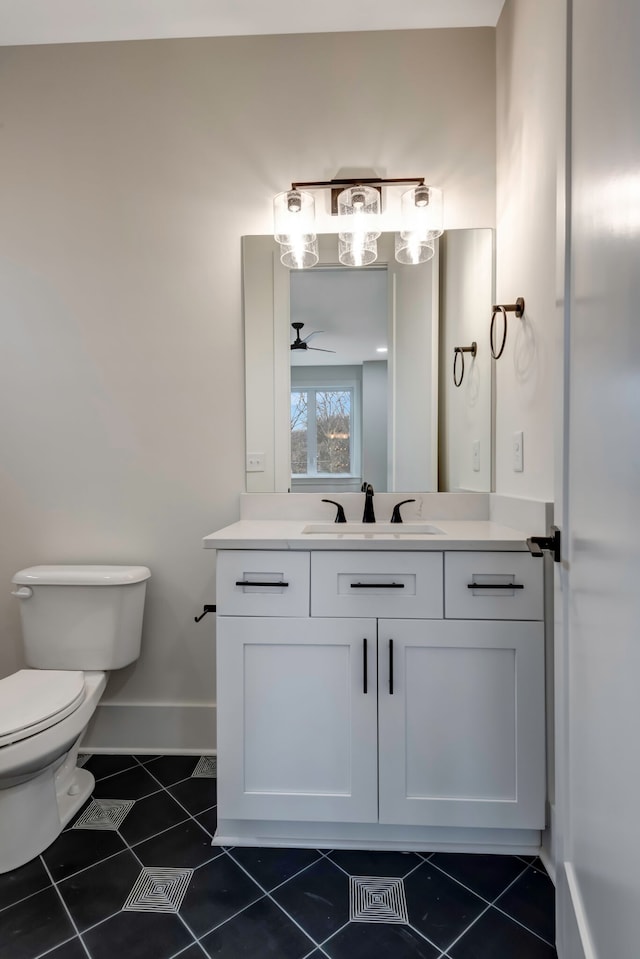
(78, 623)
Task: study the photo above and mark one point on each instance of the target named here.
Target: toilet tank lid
(81, 575)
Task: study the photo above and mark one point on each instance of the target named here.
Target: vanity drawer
(507, 586)
(262, 583)
(403, 585)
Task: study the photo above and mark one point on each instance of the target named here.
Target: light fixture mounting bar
(336, 186)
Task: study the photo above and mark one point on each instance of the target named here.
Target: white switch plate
(475, 456)
(518, 453)
(255, 462)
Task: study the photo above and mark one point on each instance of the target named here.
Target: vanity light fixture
(294, 216)
(359, 223)
(357, 205)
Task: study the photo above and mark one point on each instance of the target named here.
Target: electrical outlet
(518, 452)
(475, 456)
(255, 462)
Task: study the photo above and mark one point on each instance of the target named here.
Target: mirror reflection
(339, 320)
(347, 370)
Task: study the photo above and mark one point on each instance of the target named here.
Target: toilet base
(34, 813)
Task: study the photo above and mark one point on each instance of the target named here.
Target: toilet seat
(32, 700)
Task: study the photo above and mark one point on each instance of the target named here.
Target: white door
(297, 719)
(461, 723)
(598, 700)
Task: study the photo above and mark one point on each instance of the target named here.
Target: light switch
(518, 454)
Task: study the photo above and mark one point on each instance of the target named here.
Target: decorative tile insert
(377, 899)
(104, 814)
(158, 889)
(207, 768)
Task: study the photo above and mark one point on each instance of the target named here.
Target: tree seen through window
(321, 440)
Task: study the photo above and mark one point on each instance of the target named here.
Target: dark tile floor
(135, 876)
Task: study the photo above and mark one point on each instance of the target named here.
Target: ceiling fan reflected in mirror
(303, 343)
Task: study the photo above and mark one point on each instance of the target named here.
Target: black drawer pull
(495, 586)
(391, 667)
(377, 585)
(246, 582)
(364, 666)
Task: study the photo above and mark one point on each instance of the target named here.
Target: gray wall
(531, 93)
(530, 143)
(374, 423)
(130, 172)
(465, 412)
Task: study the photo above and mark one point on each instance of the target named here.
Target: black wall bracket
(537, 544)
(504, 308)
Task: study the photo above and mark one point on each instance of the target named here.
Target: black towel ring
(459, 351)
(518, 309)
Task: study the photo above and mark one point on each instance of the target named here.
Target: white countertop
(287, 534)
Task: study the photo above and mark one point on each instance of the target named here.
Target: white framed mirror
(327, 417)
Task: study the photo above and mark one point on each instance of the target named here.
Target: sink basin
(371, 529)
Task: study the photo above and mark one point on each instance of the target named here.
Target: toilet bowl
(79, 622)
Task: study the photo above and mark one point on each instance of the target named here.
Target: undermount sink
(371, 529)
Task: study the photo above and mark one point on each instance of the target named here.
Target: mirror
(394, 419)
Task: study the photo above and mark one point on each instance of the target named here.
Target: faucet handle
(340, 517)
(395, 516)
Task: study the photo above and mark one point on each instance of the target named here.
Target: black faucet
(340, 517)
(395, 516)
(368, 516)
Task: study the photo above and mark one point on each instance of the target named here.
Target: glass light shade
(294, 216)
(357, 249)
(302, 254)
(359, 211)
(422, 212)
(412, 249)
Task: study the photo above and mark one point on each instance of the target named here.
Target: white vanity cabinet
(297, 716)
(390, 690)
(461, 723)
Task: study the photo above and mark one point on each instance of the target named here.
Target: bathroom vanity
(382, 687)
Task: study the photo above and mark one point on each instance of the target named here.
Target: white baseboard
(548, 844)
(148, 728)
(573, 936)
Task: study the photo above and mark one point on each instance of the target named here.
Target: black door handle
(391, 667)
(536, 544)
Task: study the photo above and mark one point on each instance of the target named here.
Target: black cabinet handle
(246, 582)
(364, 666)
(495, 586)
(377, 585)
(391, 667)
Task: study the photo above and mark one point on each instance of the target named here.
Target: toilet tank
(81, 617)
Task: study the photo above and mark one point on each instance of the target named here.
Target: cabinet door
(297, 719)
(462, 726)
